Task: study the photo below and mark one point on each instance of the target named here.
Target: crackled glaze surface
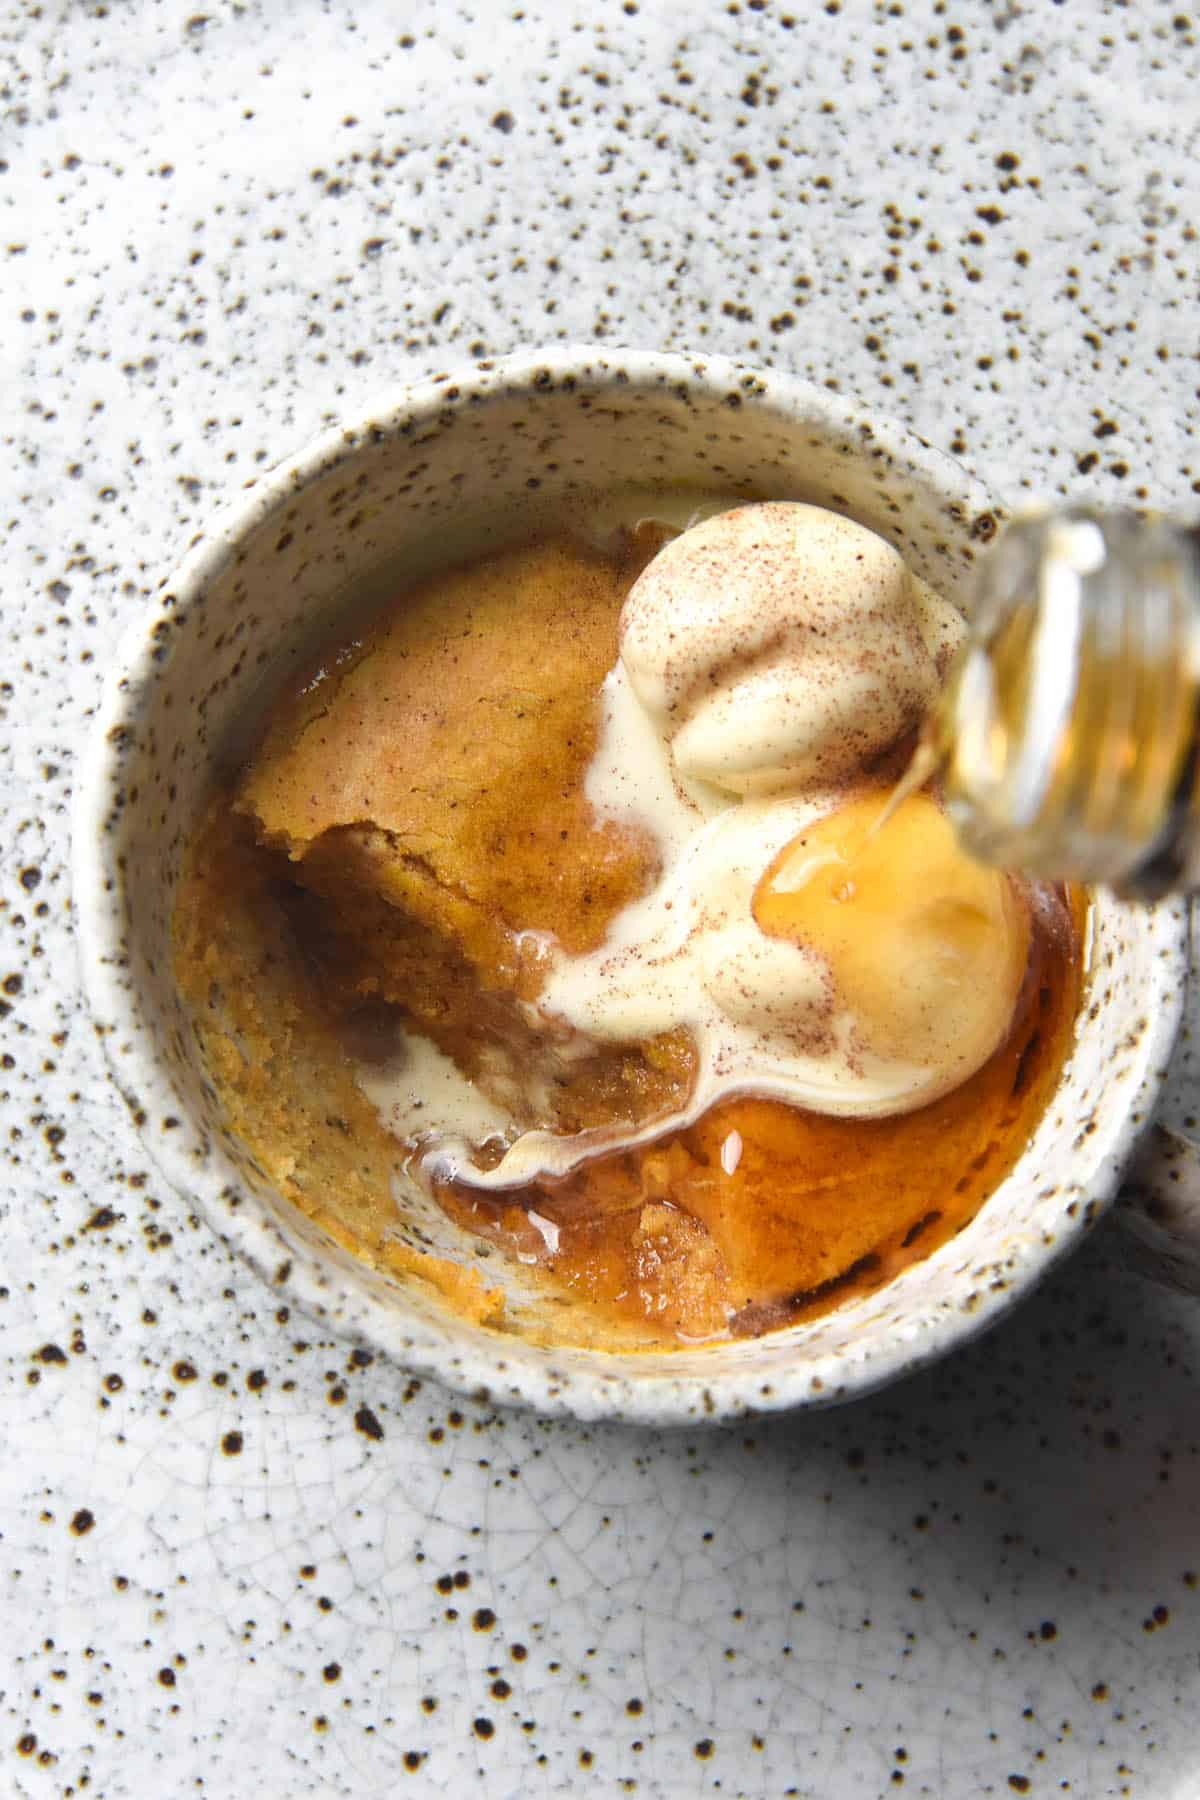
(235, 1555)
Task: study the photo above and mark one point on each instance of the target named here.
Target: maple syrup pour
(926, 762)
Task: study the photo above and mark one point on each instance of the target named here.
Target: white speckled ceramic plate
(234, 1558)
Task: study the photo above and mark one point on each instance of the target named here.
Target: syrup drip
(926, 762)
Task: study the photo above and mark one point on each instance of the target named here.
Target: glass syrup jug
(1068, 734)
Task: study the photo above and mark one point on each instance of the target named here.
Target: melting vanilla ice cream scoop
(782, 645)
(925, 949)
(767, 655)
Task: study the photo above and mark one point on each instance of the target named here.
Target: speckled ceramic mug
(455, 463)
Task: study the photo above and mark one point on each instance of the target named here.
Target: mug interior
(458, 466)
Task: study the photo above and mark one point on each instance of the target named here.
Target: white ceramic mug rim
(603, 1386)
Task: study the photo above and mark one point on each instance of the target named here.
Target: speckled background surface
(233, 1561)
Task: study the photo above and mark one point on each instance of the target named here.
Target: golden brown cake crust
(460, 728)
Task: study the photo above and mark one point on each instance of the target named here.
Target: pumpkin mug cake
(560, 894)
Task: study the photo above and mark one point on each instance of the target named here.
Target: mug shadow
(991, 1570)
(1060, 1452)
